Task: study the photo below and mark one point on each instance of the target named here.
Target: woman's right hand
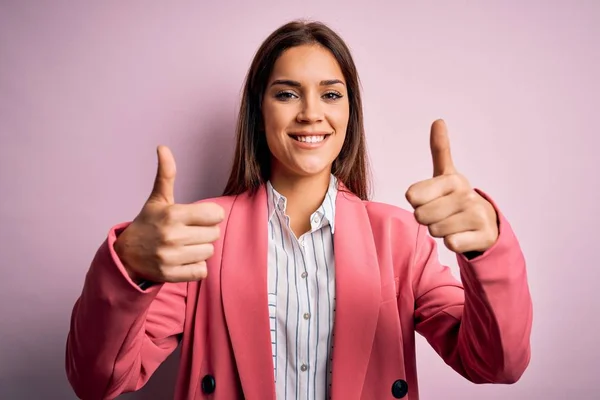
(169, 242)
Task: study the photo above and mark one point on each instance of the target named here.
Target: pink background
(88, 91)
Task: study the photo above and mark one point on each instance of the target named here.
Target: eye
(285, 95)
(332, 96)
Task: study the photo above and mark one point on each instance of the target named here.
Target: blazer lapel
(244, 291)
(358, 296)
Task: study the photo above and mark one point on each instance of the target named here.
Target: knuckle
(171, 214)
(438, 231)
(471, 196)
(431, 230)
(434, 230)
(162, 257)
(195, 274)
(210, 250)
(162, 236)
(452, 244)
(165, 236)
(198, 271)
(203, 268)
(411, 195)
(216, 232)
(419, 214)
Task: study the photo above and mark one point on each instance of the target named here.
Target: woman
(293, 284)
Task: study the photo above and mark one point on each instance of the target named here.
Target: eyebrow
(288, 82)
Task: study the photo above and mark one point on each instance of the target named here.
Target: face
(305, 112)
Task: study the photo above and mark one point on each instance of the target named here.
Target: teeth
(310, 139)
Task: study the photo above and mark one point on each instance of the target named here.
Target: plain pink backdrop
(87, 91)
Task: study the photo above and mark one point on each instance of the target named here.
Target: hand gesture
(169, 242)
(448, 205)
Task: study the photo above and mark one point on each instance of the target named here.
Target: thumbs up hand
(169, 242)
(448, 205)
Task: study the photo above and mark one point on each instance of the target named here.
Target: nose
(311, 111)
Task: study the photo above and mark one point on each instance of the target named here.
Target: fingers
(200, 234)
(466, 230)
(197, 214)
(440, 149)
(439, 209)
(468, 241)
(428, 190)
(460, 222)
(447, 204)
(164, 183)
(176, 256)
(183, 263)
(189, 235)
(204, 214)
(184, 273)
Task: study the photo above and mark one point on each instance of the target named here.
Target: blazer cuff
(506, 251)
(142, 287)
(470, 256)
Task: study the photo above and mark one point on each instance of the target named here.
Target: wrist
(120, 247)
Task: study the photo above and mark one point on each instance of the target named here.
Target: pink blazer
(389, 285)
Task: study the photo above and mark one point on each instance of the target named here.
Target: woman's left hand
(449, 206)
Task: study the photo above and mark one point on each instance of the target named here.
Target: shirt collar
(278, 202)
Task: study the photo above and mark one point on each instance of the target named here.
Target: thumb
(440, 149)
(164, 183)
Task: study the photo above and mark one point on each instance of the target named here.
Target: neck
(304, 195)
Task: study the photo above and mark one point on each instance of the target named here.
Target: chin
(312, 170)
(303, 166)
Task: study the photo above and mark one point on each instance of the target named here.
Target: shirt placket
(308, 283)
(304, 317)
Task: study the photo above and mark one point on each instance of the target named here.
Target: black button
(208, 384)
(399, 389)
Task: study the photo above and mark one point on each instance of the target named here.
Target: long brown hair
(252, 159)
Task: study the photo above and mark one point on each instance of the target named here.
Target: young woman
(293, 285)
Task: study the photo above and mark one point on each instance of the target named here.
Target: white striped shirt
(301, 285)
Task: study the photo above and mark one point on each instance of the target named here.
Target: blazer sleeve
(482, 327)
(120, 333)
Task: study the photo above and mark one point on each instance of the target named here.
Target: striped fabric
(301, 284)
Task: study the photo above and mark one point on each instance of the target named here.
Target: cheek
(340, 143)
(339, 122)
(339, 117)
(274, 145)
(276, 116)
(273, 142)
(271, 125)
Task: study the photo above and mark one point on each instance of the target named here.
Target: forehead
(307, 63)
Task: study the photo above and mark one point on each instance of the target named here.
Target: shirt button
(304, 274)
(306, 315)
(303, 368)
(315, 219)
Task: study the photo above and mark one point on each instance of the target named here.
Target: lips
(315, 137)
(310, 139)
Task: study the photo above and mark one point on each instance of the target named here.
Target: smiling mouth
(309, 139)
